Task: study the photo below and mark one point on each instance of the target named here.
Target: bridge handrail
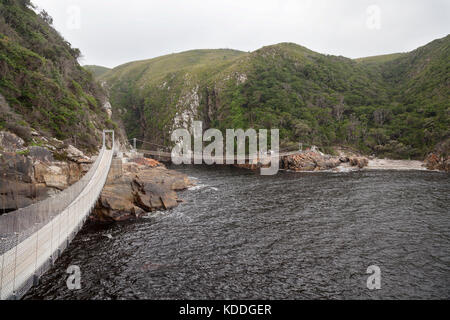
(23, 219)
(33, 237)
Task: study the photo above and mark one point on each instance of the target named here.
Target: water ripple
(291, 236)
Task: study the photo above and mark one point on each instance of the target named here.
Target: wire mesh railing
(33, 237)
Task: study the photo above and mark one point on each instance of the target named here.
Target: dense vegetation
(392, 105)
(42, 86)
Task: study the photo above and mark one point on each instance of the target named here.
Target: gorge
(368, 187)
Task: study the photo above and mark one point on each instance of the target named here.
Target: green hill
(380, 59)
(393, 105)
(42, 86)
(97, 71)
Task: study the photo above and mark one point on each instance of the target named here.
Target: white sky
(112, 32)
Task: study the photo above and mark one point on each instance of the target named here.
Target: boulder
(74, 154)
(359, 162)
(157, 196)
(117, 201)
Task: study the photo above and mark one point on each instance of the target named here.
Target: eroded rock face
(145, 186)
(16, 167)
(31, 176)
(16, 194)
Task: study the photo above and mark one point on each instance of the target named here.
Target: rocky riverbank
(313, 160)
(33, 173)
(144, 185)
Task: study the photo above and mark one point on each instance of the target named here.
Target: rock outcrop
(145, 185)
(309, 161)
(435, 161)
(31, 174)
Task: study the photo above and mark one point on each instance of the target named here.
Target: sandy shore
(387, 164)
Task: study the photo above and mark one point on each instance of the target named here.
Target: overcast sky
(112, 32)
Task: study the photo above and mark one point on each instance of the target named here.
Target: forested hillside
(42, 86)
(393, 105)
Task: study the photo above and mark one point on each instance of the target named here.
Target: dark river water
(239, 235)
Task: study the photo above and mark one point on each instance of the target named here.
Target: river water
(239, 235)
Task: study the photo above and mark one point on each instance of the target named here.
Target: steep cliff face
(394, 105)
(42, 86)
(51, 109)
(155, 96)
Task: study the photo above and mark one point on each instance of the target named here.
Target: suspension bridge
(163, 153)
(32, 238)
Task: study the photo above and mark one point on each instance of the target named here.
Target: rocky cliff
(32, 173)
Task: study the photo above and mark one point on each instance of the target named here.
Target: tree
(380, 116)
(338, 109)
(26, 3)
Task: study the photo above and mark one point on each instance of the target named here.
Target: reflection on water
(239, 235)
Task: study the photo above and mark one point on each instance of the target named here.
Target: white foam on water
(198, 187)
